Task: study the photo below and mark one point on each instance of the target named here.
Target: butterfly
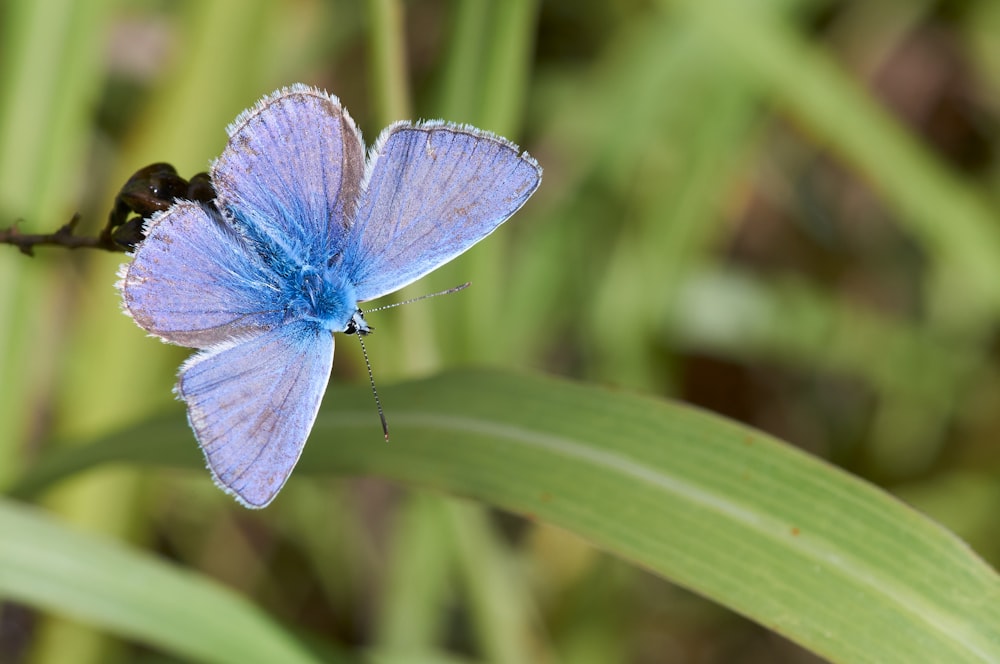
(305, 226)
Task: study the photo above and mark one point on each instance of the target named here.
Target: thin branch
(64, 237)
(151, 189)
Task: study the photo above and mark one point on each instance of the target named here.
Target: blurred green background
(784, 211)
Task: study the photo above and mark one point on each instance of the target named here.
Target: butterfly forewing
(291, 171)
(431, 192)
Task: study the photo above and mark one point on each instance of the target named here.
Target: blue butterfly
(304, 228)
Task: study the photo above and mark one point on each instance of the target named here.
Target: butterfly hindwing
(252, 404)
(431, 191)
(194, 281)
(291, 171)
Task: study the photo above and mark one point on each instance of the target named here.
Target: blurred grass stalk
(487, 63)
(666, 83)
(52, 78)
(953, 220)
(48, 69)
(483, 83)
(56, 64)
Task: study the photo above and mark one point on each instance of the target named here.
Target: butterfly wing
(194, 281)
(432, 190)
(291, 172)
(252, 404)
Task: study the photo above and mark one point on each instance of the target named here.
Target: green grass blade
(502, 607)
(388, 53)
(45, 564)
(811, 552)
(418, 580)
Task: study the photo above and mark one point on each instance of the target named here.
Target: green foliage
(45, 564)
(722, 509)
(778, 210)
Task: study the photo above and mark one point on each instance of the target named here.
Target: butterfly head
(358, 325)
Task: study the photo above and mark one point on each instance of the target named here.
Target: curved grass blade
(801, 547)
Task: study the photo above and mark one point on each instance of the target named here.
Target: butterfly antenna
(422, 297)
(371, 379)
(364, 352)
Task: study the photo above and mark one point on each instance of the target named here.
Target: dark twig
(64, 237)
(150, 189)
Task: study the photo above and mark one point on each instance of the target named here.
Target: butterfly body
(321, 296)
(304, 228)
